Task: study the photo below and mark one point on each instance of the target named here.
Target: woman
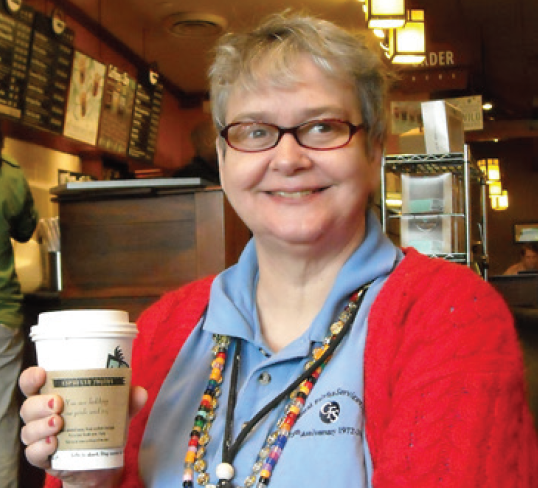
(343, 360)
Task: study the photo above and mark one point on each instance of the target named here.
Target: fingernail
(51, 403)
(51, 422)
(48, 440)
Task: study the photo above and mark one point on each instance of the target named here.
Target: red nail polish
(48, 440)
(51, 422)
(51, 403)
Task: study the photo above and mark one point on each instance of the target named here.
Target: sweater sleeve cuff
(51, 482)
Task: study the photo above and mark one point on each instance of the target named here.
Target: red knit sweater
(445, 399)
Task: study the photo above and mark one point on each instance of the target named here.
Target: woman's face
(294, 196)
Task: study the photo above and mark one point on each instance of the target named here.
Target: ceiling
(494, 41)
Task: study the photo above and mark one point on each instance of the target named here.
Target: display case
(436, 203)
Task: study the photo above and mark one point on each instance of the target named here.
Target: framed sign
(526, 232)
(84, 101)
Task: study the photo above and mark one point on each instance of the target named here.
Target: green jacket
(18, 220)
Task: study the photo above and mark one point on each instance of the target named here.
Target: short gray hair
(280, 39)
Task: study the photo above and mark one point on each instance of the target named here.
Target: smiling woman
(292, 196)
(325, 341)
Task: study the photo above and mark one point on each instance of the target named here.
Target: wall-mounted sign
(436, 59)
(445, 67)
(407, 115)
(15, 43)
(117, 111)
(49, 71)
(146, 116)
(85, 96)
(471, 108)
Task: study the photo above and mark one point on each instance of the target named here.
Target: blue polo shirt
(327, 445)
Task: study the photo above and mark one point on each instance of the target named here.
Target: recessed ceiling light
(194, 24)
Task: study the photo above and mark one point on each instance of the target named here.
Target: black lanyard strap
(229, 448)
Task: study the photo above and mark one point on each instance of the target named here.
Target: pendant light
(495, 188)
(385, 14)
(503, 200)
(407, 45)
(500, 202)
(491, 169)
(492, 173)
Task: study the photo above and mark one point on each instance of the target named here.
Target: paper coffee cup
(87, 356)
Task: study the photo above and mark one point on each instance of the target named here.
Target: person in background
(204, 163)
(18, 220)
(326, 356)
(528, 261)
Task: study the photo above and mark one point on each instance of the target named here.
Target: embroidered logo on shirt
(329, 412)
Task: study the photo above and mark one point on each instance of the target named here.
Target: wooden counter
(526, 317)
(124, 244)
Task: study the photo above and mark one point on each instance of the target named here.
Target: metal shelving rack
(466, 170)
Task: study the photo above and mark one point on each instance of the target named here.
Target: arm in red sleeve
(445, 393)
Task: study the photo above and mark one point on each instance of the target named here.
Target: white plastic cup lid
(83, 323)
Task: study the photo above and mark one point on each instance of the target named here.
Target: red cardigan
(445, 396)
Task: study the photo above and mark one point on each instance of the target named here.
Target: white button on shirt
(264, 378)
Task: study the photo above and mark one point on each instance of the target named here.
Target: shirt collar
(232, 307)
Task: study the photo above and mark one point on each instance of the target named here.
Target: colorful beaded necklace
(297, 392)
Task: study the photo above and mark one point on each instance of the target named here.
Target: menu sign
(15, 39)
(49, 71)
(146, 117)
(117, 112)
(84, 101)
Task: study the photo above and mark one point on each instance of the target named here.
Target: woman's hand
(41, 415)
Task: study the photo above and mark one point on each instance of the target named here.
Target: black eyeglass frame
(353, 129)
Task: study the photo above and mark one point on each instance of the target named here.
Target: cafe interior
(103, 136)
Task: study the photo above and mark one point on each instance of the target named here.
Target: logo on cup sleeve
(116, 360)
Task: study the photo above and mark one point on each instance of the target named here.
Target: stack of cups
(87, 354)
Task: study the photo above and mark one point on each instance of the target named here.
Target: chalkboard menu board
(117, 111)
(15, 39)
(47, 84)
(146, 115)
(49, 71)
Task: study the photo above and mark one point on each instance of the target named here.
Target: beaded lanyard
(298, 392)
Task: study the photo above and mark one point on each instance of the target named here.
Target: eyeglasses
(320, 135)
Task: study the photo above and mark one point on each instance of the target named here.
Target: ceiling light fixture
(495, 188)
(492, 173)
(503, 200)
(194, 24)
(385, 14)
(500, 202)
(491, 169)
(407, 45)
